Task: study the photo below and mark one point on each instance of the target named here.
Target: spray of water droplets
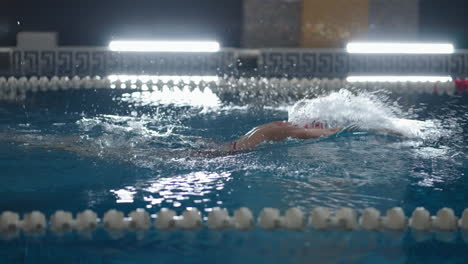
(363, 109)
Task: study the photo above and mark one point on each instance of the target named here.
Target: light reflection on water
(124, 195)
(194, 185)
(164, 78)
(177, 97)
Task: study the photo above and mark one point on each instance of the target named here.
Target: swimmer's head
(300, 115)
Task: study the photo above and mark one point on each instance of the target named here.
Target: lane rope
(320, 218)
(13, 88)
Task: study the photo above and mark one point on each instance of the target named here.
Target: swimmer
(280, 130)
(273, 131)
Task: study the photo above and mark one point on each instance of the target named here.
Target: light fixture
(164, 46)
(399, 79)
(399, 47)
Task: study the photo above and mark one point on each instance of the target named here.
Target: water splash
(125, 125)
(364, 109)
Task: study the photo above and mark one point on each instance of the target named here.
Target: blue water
(114, 149)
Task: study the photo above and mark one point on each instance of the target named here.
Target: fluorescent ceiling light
(165, 46)
(399, 79)
(402, 48)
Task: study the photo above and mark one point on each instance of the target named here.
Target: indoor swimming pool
(127, 148)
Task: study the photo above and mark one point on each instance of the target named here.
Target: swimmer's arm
(275, 132)
(307, 133)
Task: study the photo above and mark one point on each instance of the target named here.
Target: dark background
(96, 22)
(445, 21)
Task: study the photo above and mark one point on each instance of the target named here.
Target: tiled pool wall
(321, 63)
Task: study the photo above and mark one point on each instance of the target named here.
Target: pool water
(104, 149)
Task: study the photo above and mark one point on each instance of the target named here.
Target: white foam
(364, 109)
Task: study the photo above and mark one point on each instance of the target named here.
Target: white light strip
(402, 48)
(399, 79)
(165, 46)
